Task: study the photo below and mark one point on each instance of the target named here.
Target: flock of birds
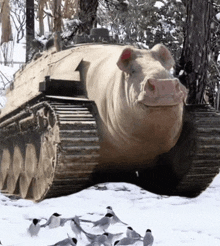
(105, 239)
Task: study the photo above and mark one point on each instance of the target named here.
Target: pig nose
(163, 87)
(162, 92)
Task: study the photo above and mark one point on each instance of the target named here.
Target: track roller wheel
(45, 169)
(29, 170)
(15, 170)
(4, 167)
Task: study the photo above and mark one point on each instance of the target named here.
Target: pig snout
(162, 92)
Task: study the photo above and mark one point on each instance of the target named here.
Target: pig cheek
(134, 89)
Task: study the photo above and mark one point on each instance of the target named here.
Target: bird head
(109, 215)
(56, 214)
(74, 240)
(35, 221)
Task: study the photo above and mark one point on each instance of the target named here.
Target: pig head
(139, 102)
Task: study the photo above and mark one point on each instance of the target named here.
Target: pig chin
(160, 101)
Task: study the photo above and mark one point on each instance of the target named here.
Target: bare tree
(87, 15)
(41, 16)
(194, 60)
(29, 27)
(57, 24)
(18, 16)
(5, 19)
(7, 49)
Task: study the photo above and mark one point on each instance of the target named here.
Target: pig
(140, 103)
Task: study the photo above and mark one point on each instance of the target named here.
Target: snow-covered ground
(174, 221)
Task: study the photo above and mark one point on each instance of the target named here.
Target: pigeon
(148, 238)
(126, 241)
(66, 242)
(101, 240)
(74, 226)
(92, 238)
(132, 233)
(55, 221)
(34, 228)
(112, 237)
(115, 218)
(104, 222)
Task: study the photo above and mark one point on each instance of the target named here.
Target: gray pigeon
(74, 224)
(34, 228)
(100, 240)
(132, 233)
(104, 222)
(93, 238)
(53, 222)
(115, 218)
(66, 242)
(148, 238)
(113, 236)
(126, 241)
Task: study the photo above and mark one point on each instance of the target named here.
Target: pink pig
(139, 102)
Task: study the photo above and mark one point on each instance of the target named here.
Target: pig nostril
(177, 87)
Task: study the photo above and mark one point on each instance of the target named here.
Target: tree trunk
(87, 15)
(196, 48)
(6, 25)
(41, 15)
(57, 24)
(29, 27)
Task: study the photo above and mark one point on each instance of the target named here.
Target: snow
(174, 221)
(6, 76)
(159, 4)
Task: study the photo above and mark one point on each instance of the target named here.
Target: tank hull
(51, 145)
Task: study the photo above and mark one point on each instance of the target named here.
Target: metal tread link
(78, 150)
(205, 162)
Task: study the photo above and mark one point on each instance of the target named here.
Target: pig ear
(163, 55)
(125, 58)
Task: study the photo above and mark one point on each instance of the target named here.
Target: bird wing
(47, 223)
(101, 222)
(64, 220)
(127, 241)
(116, 219)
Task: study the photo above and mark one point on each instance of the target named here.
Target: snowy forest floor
(174, 221)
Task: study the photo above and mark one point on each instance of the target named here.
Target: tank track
(204, 152)
(192, 164)
(49, 149)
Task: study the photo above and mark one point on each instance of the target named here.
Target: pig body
(139, 102)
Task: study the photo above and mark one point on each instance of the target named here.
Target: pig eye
(132, 71)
